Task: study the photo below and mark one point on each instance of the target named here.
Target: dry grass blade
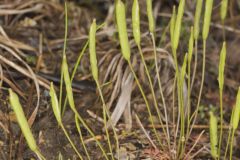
(13, 86)
(35, 8)
(23, 71)
(194, 145)
(32, 74)
(144, 131)
(123, 100)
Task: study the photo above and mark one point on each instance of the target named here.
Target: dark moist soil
(39, 33)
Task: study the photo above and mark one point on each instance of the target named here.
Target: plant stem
(173, 105)
(64, 52)
(69, 139)
(74, 72)
(81, 137)
(181, 106)
(105, 115)
(146, 102)
(182, 130)
(231, 144)
(221, 122)
(189, 97)
(228, 141)
(195, 63)
(161, 92)
(39, 155)
(194, 116)
(223, 30)
(91, 133)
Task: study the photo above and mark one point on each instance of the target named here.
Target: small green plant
(94, 68)
(196, 30)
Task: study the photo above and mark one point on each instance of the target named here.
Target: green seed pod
(55, 105)
(122, 29)
(190, 46)
(213, 135)
(197, 18)
(92, 50)
(68, 82)
(178, 24)
(172, 24)
(136, 22)
(224, 5)
(236, 112)
(222, 66)
(207, 18)
(22, 121)
(151, 23)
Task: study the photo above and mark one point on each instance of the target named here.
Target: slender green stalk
(69, 139)
(178, 92)
(205, 32)
(229, 134)
(161, 93)
(154, 95)
(74, 72)
(173, 113)
(105, 115)
(81, 137)
(91, 133)
(231, 144)
(151, 25)
(190, 52)
(228, 142)
(39, 154)
(194, 115)
(175, 35)
(64, 52)
(147, 104)
(172, 24)
(195, 62)
(196, 30)
(182, 138)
